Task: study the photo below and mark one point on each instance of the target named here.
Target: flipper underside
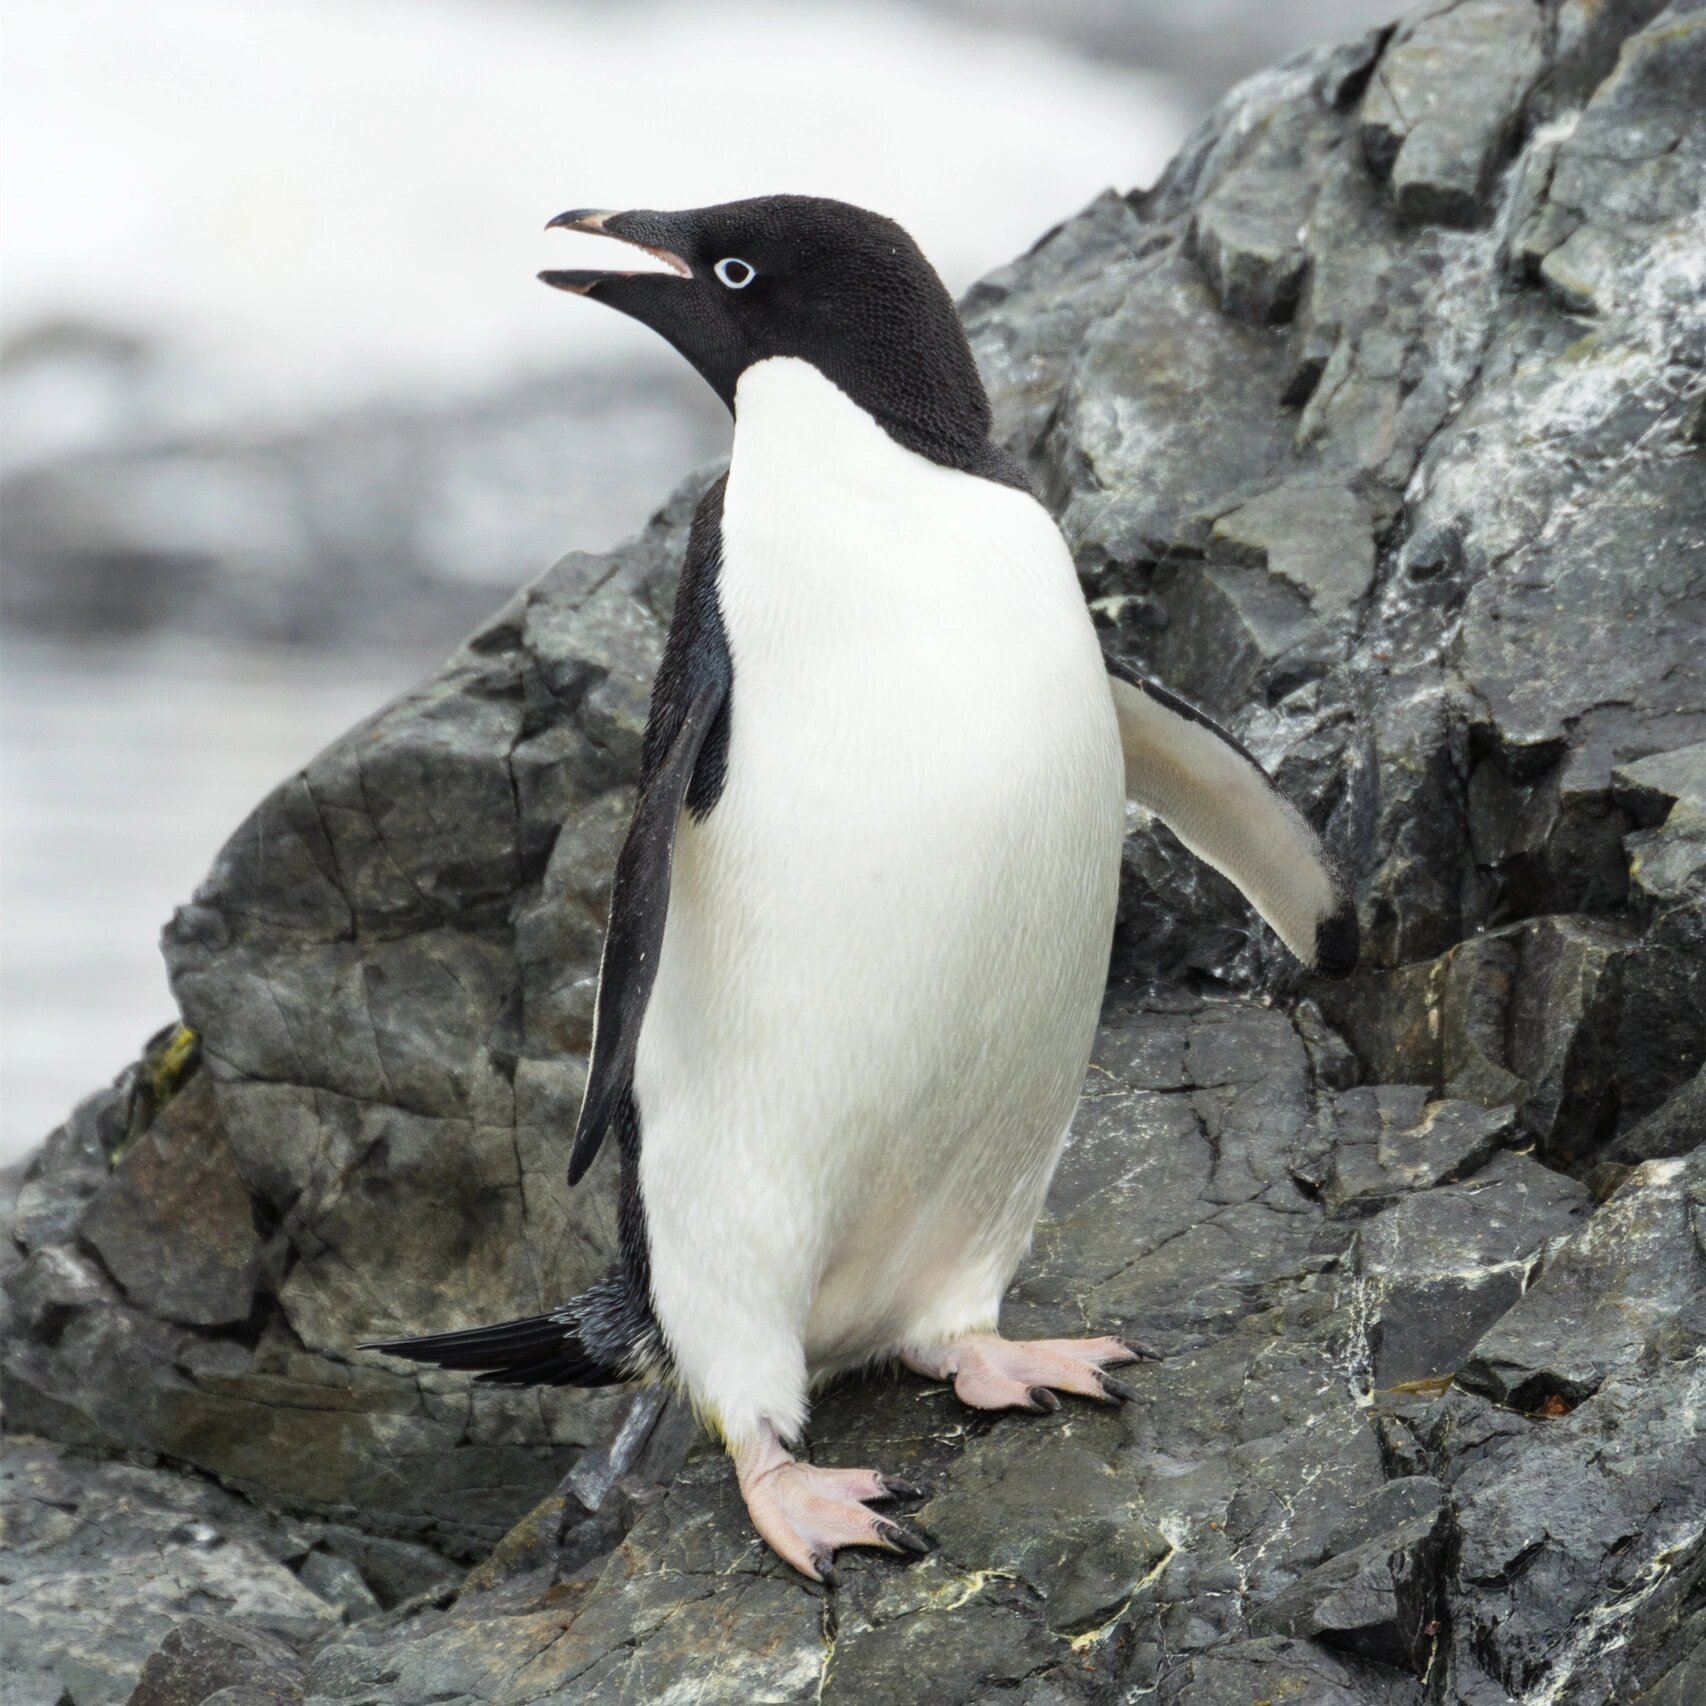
(1207, 789)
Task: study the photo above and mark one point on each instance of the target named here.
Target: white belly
(887, 944)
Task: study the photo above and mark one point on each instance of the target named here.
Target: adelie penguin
(861, 922)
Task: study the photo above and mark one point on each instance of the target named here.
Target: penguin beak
(683, 307)
(631, 228)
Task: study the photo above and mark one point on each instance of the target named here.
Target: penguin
(861, 922)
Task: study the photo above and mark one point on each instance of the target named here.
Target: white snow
(316, 201)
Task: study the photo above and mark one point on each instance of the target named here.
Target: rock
(1441, 1266)
(1629, 1284)
(1674, 1129)
(1316, 538)
(1535, 1015)
(1580, 1545)
(1376, 426)
(1380, 1599)
(373, 1157)
(1297, 1670)
(1590, 233)
(1390, 1141)
(1445, 103)
(203, 1659)
(104, 1559)
(177, 1188)
(1666, 796)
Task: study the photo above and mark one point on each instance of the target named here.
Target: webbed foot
(807, 1513)
(993, 1373)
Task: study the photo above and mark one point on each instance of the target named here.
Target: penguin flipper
(688, 722)
(603, 1336)
(1202, 783)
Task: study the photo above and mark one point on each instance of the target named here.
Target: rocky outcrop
(1377, 426)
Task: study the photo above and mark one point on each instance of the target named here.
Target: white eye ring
(734, 272)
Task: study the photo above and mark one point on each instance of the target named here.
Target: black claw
(904, 1538)
(1117, 1388)
(1043, 1399)
(901, 1489)
(1142, 1350)
(826, 1573)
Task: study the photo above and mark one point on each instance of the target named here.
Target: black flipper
(681, 767)
(605, 1335)
(1203, 784)
(538, 1350)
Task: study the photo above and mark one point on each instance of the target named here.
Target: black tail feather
(537, 1350)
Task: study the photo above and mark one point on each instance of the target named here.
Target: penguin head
(803, 277)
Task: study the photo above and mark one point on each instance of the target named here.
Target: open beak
(684, 310)
(627, 228)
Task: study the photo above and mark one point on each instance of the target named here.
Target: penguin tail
(536, 1350)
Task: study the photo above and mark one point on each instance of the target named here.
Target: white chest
(886, 944)
(865, 585)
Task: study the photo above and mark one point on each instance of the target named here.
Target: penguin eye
(734, 272)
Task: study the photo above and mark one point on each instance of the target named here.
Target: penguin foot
(806, 1513)
(993, 1373)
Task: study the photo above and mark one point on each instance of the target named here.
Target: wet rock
(1629, 1284)
(1380, 1599)
(1442, 1266)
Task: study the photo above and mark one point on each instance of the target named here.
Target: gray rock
(1445, 102)
(1539, 1015)
(1580, 1544)
(104, 1559)
(1317, 538)
(1442, 1266)
(1380, 1599)
(203, 1659)
(177, 1188)
(1666, 796)
(1388, 1141)
(1674, 1129)
(1629, 1285)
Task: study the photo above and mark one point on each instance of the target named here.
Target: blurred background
(284, 413)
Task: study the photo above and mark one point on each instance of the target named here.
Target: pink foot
(807, 1514)
(993, 1373)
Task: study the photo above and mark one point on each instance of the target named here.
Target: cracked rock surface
(1377, 426)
